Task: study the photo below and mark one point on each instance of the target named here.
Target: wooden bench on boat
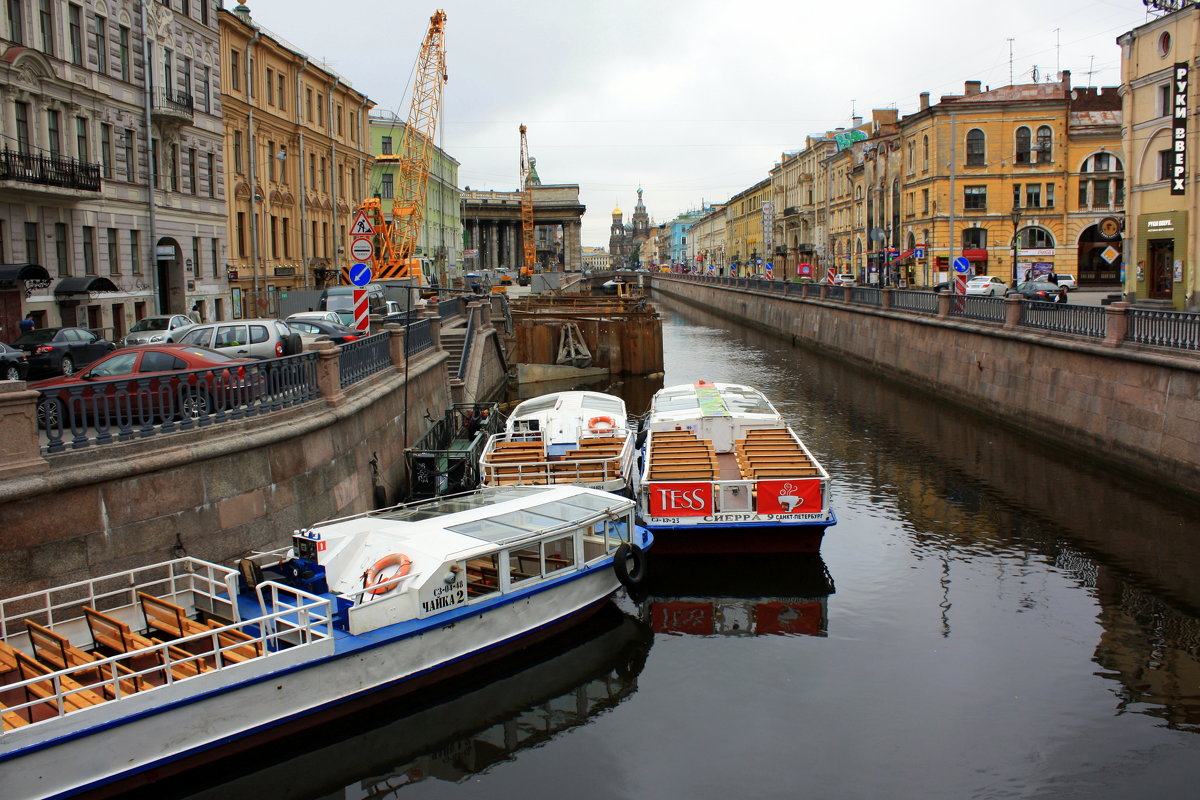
(74, 695)
(165, 616)
(115, 636)
(57, 652)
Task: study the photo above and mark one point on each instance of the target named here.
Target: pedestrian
(194, 314)
(26, 325)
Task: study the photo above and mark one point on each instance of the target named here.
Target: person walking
(26, 325)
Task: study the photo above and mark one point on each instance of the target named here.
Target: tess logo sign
(680, 499)
(1179, 159)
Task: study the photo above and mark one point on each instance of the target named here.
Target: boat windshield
(676, 401)
(612, 405)
(536, 518)
(746, 401)
(449, 505)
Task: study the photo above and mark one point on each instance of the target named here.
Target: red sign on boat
(789, 497)
(681, 499)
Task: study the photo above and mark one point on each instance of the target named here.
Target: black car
(14, 364)
(338, 334)
(60, 351)
(1040, 291)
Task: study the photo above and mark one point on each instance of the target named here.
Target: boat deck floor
(728, 467)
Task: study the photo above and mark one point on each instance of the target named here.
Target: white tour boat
(722, 473)
(142, 673)
(565, 437)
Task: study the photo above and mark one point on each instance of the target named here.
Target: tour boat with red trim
(128, 677)
(565, 437)
(722, 472)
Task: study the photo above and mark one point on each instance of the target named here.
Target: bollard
(1116, 323)
(329, 372)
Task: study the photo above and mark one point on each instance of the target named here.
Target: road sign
(362, 250)
(362, 320)
(360, 274)
(918, 252)
(961, 264)
(361, 226)
(1110, 254)
(470, 253)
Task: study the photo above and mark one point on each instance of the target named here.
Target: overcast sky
(692, 101)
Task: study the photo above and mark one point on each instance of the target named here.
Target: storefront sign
(1179, 134)
(1037, 251)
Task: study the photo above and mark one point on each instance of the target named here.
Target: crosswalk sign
(361, 226)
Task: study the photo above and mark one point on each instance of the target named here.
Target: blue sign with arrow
(961, 264)
(360, 274)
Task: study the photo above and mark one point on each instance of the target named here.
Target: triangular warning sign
(361, 226)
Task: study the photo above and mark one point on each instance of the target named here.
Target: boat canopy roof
(567, 402)
(690, 400)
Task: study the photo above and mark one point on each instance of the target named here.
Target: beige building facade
(297, 163)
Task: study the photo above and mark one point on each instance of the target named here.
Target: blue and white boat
(141, 673)
(722, 472)
(565, 437)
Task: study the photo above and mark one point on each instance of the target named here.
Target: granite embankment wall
(223, 490)
(1132, 407)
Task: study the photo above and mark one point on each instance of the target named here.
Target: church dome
(617, 212)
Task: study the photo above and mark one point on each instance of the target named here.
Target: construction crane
(527, 244)
(396, 239)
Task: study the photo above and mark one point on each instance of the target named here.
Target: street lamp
(1015, 215)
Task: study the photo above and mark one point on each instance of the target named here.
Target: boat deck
(591, 460)
(763, 454)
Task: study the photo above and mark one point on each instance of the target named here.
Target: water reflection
(450, 734)
(743, 595)
(966, 490)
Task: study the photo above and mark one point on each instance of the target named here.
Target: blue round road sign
(961, 264)
(360, 274)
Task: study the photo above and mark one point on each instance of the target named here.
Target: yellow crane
(528, 246)
(396, 239)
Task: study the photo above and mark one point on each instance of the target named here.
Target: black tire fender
(625, 553)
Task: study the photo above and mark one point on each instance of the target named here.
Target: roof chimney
(855, 121)
(972, 87)
(924, 100)
(1066, 81)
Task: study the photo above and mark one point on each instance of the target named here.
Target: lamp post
(1015, 215)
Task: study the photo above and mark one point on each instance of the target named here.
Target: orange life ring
(602, 424)
(374, 572)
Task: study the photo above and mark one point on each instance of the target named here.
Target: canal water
(991, 617)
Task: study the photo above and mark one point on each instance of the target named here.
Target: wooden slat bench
(109, 634)
(165, 616)
(74, 696)
(56, 651)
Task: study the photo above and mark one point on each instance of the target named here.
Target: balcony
(47, 174)
(170, 108)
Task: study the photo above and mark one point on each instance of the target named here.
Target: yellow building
(297, 160)
(1032, 170)
(1157, 64)
(708, 241)
(744, 233)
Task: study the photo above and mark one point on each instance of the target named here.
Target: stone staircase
(453, 341)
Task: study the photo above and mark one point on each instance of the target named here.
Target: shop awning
(85, 285)
(23, 272)
(975, 255)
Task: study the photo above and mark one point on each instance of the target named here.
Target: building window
(1049, 195)
(123, 47)
(1016, 195)
(100, 32)
(1033, 195)
(213, 253)
(237, 152)
(387, 190)
(270, 160)
(924, 201)
(312, 170)
(196, 263)
(1035, 238)
(241, 234)
(912, 156)
(320, 110)
(55, 135)
(274, 236)
(339, 120)
(235, 81)
(174, 168)
(168, 72)
(81, 139)
(193, 177)
(1044, 146)
(1165, 106)
(113, 238)
(1165, 157)
(308, 103)
(251, 75)
(925, 154)
(106, 155)
(75, 26)
(89, 250)
(270, 86)
(282, 94)
(975, 198)
(202, 88)
(130, 156)
(46, 22)
(32, 252)
(22, 124)
(1024, 145)
(61, 254)
(385, 146)
(976, 145)
(974, 239)
(287, 242)
(135, 252)
(185, 65)
(16, 22)
(210, 167)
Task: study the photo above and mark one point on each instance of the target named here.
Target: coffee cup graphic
(789, 501)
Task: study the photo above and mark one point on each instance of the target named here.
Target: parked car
(154, 329)
(170, 383)
(61, 350)
(845, 279)
(319, 328)
(244, 338)
(1040, 291)
(1066, 281)
(944, 286)
(987, 286)
(326, 316)
(14, 363)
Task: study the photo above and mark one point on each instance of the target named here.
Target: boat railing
(553, 470)
(202, 585)
(741, 495)
(292, 618)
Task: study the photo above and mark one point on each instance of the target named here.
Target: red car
(149, 382)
